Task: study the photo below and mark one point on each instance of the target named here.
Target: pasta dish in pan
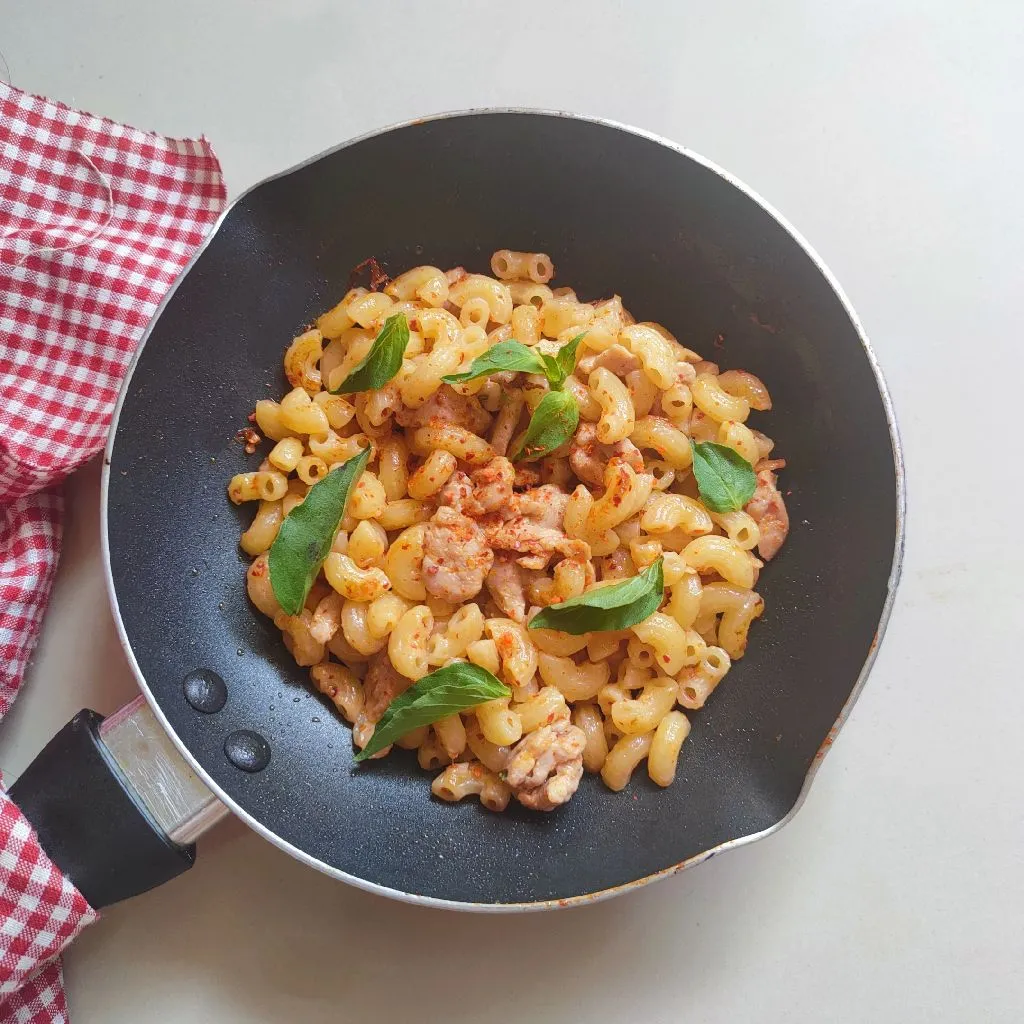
(516, 532)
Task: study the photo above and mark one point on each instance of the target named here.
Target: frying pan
(231, 721)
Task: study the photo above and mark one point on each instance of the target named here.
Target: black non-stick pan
(619, 212)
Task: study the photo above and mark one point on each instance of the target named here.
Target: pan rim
(858, 686)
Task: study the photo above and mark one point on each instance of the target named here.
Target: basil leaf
(553, 422)
(506, 355)
(725, 479)
(382, 362)
(616, 607)
(551, 370)
(305, 537)
(565, 361)
(453, 688)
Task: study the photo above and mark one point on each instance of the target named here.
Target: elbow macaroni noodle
(627, 497)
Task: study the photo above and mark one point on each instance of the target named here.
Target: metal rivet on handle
(205, 691)
(247, 750)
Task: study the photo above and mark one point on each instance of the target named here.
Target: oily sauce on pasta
(449, 546)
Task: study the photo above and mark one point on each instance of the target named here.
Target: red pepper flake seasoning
(249, 438)
(378, 279)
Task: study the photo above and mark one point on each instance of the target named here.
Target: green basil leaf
(553, 422)
(506, 355)
(725, 479)
(451, 689)
(305, 537)
(610, 608)
(383, 360)
(551, 370)
(565, 361)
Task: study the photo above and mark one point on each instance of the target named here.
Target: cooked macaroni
(448, 546)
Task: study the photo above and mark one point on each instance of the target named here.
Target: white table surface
(891, 134)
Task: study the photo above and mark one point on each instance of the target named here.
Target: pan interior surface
(618, 213)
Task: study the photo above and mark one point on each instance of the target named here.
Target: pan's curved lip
(894, 576)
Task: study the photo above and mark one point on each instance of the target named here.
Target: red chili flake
(252, 417)
(249, 438)
(378, 279)
(665, 658)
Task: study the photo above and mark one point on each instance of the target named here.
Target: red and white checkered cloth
(96, 222)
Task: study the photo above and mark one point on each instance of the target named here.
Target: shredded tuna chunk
(546, 766)
(588, 457)
(456, 492)
(492, 487)
(489, 489)
(446, 406)
(525, 478)
(505, 584)
(534, 529)
(768, 510)
(383, 683)
(545, 505)
(456, 557)
(381, 686)
(617, 565)
(506, 421)
(615, 358)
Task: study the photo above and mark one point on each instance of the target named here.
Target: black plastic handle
(90, 821)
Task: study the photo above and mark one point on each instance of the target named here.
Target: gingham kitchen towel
(96, 222)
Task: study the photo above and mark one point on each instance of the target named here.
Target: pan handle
(115, 806)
